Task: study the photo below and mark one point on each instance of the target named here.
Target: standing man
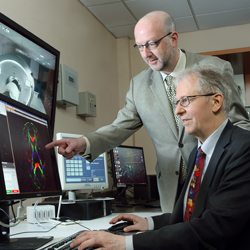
(149, 103)
(212, 211)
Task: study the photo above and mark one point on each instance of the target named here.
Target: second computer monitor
(80, 174)
(128, 166)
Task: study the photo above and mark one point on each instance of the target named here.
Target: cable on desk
(82, 226)
(37, 231)
(12, 209)
(15, 223)
(59, 206)
(10, 205)
(49, 229)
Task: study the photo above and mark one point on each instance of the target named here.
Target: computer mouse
(120, 226)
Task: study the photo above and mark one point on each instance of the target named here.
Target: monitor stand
(71, 198)
(17, 243)
(122, 197)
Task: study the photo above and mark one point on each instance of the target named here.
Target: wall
(85, 45)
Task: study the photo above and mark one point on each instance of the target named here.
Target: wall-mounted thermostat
(67, 91)
(87, 105)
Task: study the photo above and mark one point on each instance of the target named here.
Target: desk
(62, 231)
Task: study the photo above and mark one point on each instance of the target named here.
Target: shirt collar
(180, 66)
(209, 144)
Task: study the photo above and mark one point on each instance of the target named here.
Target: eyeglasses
(150, 45)
(184, 101)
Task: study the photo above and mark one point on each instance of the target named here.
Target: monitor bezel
(23, 196)
(113, 167)
(35, 39)
(2, 183)
(78, 186)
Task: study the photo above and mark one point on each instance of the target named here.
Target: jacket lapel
(159, 92)
(213, 165)
(177, 215)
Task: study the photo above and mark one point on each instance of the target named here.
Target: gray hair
(210, 80)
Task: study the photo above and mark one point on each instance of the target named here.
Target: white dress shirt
(180, 66)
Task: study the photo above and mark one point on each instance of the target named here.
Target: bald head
(159, 20)
(158, 27)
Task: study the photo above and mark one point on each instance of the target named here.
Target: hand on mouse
(139, 223)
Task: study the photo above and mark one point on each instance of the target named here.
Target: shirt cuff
(129, 239)
(129, 242)
(151, 224)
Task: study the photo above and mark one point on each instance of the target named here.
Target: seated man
(218, 170)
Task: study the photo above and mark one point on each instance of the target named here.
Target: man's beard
(162, 64)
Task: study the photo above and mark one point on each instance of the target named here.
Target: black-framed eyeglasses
(150, 45)
(184, 100)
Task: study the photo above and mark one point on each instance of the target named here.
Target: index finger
(54, 144)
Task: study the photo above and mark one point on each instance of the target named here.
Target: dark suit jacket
(221, 216)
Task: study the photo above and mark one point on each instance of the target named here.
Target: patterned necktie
(195, 184)
(171, 97)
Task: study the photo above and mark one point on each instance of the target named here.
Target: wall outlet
(42, 213)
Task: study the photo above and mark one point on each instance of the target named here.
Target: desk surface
(62, 231)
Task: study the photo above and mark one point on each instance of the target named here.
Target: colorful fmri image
(36, 170)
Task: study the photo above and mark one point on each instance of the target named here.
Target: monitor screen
(78, 173)
(28, 169)
(28, 68)
(128, 166)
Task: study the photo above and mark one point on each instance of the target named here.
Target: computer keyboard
(64, 244)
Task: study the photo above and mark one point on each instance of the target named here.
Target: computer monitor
(80, 174)
(28, 68)
(128, 167)
(28, 169)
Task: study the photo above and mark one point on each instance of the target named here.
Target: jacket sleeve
(127, 123)
(237, 115)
